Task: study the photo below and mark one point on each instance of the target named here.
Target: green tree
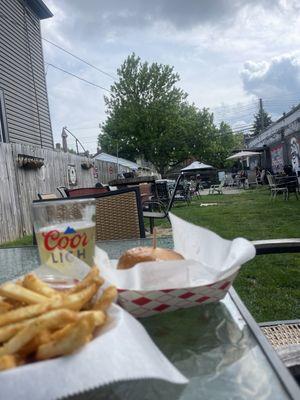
(261, 119)
(145, 114)
(201, 134)
(149, 116)
(209, 143)
(225, 142)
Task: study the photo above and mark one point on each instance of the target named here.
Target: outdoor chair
(146, 192)
(86, 191)
(62, 191)
(217, 188)
(276, 188)
(118, 214)
(162, 192)
(261, 178)
(158, 209)
(252, 180)
(229, 181)
(284, 336)
(183, 193)
(195, 190)
(290, 182)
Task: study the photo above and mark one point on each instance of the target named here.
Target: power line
(80, 59)
(236, 106)
(85, 128)
(78, 77)
(243, 126)
(239, 111)
(3, 16)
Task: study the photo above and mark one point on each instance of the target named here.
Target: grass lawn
(269, 285)
(24, 241)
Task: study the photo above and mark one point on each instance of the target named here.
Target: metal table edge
(288, 382)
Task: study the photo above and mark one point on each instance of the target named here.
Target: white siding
(22, 77)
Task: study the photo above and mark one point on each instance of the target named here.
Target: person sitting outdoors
(288, 170)
(243, 176)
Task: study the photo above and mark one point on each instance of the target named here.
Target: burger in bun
(137, 255)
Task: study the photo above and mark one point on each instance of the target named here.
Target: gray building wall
(281, 141)
(22, 77)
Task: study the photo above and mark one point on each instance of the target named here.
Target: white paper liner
(208, 259)
(122, 350)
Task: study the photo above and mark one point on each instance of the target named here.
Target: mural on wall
(295, 154)
(277, 159)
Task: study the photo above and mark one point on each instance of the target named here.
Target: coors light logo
(56, 244)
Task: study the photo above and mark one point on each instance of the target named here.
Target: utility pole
(118, 158)
(64, 136)
(261, 115)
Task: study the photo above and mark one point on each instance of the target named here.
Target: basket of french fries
(71, 340)
(38, 322)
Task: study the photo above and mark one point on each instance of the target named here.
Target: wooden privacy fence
(22, 177)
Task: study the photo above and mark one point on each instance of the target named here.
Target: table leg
(151, 224)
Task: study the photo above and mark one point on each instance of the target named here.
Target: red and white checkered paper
(146, 303)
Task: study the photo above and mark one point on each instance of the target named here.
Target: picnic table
(218, 346)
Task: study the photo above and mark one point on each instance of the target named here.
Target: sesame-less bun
(143, 254)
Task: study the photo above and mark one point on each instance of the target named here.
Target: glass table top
(212, 345)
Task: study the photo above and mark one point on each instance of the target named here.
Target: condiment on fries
(38, 322)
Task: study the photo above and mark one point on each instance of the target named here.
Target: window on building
(3, 124)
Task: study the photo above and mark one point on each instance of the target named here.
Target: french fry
(87, 281)
(7, 331)
(5, 306)
(29, 311)
(77, 300)
(41, 338)
(108, 296)
(61, 333)
(17, 292)
(98, 317)
(75, 337)
(74, 302)
(8, 361)
(52, 319)
(15, 303)
(32, 282)
(37, 320)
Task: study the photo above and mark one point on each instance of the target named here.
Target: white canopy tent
(243, 154)
(195, 166)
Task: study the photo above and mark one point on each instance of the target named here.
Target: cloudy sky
(228, 53)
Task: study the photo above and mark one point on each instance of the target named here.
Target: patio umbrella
(195, 166)
(243, 154)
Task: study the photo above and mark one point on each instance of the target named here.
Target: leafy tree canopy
(149, 116)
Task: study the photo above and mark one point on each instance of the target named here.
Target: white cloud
(278, 77)
(208, 42)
